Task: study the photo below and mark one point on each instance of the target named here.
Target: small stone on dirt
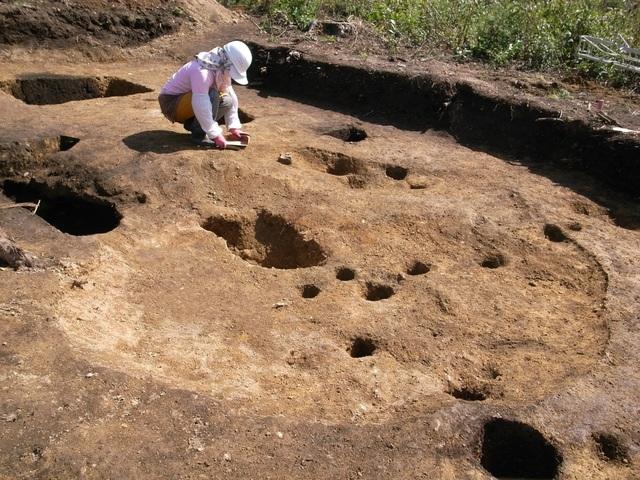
(285, 159)
(90, 375)
(10, 417)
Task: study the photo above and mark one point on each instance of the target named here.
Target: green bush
(532, 34)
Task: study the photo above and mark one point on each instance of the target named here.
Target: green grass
(538, 35)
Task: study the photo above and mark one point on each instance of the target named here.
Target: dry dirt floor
(396, 306)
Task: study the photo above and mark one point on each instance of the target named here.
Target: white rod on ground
(35, 206)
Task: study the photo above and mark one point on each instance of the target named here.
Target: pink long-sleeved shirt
(192, 78)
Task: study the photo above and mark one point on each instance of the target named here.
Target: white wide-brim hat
(238, 76)
(240, 57)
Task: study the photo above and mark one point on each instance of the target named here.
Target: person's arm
(201, 80)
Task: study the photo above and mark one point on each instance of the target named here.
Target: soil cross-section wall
(118, 22)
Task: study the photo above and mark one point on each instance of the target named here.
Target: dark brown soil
(119, 22)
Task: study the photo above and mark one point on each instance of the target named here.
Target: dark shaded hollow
(396, 172)
(575, 226)
(495, 260)
(611, 448)
(418, 268)
(349, 134)
(554, 233)
(68, 211)
(345, 274)
(334, 163)
(623, 218)
(245, 117)
(513, 449)
(55, 89)
(67, 143)
(376, 291)
(310, 291)
(269, 240)
(362, 347)
(468, 393)
(341, 165)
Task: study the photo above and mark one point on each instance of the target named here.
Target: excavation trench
(54, 89)
(268, 240)
(475, 117)
(71, 212)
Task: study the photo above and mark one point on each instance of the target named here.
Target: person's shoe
(188, 125)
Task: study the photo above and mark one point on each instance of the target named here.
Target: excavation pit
(309, 291)
(512, 449)
(554, 233)
(55, 89)
(345, 274)
(468, 393)
(245, 117)
(333, 163)
(418, 268)
(493, 261)
(269, 240)
(165, 310)
(396, 172)
(375, 292)
(69, 211)
(349, 134)
(610, 448)
(362, 347)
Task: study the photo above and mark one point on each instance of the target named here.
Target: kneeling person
(200, 93)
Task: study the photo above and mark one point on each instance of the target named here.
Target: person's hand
(236, 133)
(220, 142)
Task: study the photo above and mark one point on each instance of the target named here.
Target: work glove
(236, 133)
(220, 142)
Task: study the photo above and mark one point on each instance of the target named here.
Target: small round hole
(611, 448)
(418, 268)
(310, 291)
(494, 261)
(554, 233)
(470, 394)
(396, 172)
(376, 292)
(345, 274)
(362, 347)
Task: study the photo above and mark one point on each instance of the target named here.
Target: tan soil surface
(190, 342)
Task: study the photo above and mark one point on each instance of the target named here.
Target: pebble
(279, 434)
(90, 375)
(285, 159)
(227, 457)
(10, 417)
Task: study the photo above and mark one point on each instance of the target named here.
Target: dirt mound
(119, 22)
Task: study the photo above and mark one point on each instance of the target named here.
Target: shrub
(539, 35)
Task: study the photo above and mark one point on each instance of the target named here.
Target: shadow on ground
(159, 141)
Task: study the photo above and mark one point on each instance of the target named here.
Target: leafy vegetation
(539, 35)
